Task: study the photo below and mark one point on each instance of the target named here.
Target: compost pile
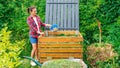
(100, 52)
(62, 63)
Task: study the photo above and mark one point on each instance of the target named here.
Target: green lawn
(26, 64)
(61, 63)
(53, 64)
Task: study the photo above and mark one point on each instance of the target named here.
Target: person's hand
(41, 33)
(48, 25)
(38, 32)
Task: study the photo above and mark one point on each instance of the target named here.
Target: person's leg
(33, 53)
(36, 53)
(33, 50)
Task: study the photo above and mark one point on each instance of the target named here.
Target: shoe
(33, 63)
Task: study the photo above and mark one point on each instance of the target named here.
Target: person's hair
(30, 9)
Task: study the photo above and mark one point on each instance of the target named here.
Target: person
(34, 22)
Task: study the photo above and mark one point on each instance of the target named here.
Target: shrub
(9, 52)
(100, 53)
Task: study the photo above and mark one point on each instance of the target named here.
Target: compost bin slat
(60, 39)
(51, 45)
(60, 55)
(60, 50)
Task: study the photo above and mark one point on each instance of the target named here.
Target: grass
(61, 63)
(26, 64)
(52, 64)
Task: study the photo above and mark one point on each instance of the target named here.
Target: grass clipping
(100, 52)
(62, 63)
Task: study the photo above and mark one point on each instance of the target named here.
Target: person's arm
(41, 23)
(48, 25)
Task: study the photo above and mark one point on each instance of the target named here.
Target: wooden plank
(54, 12)
(62, 28)
(59, 14)
(53, 58)
(59, 39)
(45, 45)
(77, 14)
(75, 21)
(51, 12)
(47, 12)
(68, 50)
(56, 6)
(66, 32)
(73, 13)
(69, 14)
(62, 11)
(62, 32)
(60, 55)
(65, 15)
(62, 2)
(44, 60)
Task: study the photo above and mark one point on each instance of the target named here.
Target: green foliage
(88, 25)
(108, 64)
(107, 12)
(9, 52)
(20, 27)
(14, 13)
(113, 35)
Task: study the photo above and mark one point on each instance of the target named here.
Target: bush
(9, 52)
(101, 54)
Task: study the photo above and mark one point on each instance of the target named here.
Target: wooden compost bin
(60, 45)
